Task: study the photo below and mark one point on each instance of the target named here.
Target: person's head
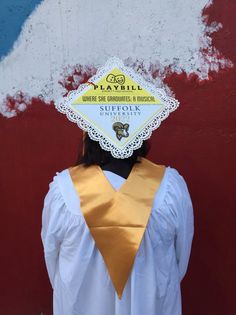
(94, 155)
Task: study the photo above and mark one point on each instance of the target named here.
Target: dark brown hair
(94, 154)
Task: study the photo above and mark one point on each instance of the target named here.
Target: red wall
(198, 140)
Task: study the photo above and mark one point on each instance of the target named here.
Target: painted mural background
(48, 48)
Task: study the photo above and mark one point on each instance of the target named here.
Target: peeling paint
(64, 39)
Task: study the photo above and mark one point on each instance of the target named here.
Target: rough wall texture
(198, 139)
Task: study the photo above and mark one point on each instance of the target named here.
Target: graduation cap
(118, 108)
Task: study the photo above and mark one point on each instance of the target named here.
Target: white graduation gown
(80, 280)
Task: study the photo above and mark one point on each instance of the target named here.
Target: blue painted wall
(13, 14)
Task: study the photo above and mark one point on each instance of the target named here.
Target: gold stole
(117, 219)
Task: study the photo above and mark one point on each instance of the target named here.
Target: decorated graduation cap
(118, 108)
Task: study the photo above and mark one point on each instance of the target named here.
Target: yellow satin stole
(117, 219)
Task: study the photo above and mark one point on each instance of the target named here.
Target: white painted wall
(60, 34)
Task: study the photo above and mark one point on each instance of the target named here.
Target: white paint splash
(162, 36)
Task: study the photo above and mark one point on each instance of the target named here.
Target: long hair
(94, 155)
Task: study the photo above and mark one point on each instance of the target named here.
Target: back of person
(82, 277)
(117, 228)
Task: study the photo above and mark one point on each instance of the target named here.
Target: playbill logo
(112, 78)
(116, 82)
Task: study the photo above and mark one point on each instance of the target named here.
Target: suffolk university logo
(121, 130)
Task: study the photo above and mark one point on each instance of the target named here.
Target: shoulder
(173, 188)
(177, 192)
(176, 177)
(61, 187)
(170, 172)
(170, 175)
